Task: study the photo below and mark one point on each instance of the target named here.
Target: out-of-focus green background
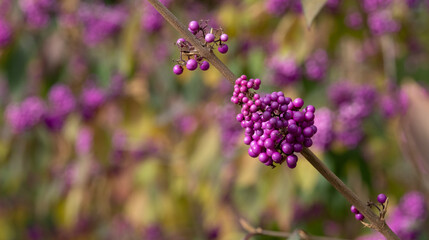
(161, 157)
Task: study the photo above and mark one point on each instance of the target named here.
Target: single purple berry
(204, 65)
(263, 157)
(359, 217)
(291, 161)
(177, 69)
(191, 64)
(180, 41)
(297, 147)
(354, 210)
(269, 143)
(381, 198)
(308, 142)
(287, 148)
(277, 157)
(223, 48)
(193, 26)
(209, 37)
(252, 153)
(224, 37)
(298, 103)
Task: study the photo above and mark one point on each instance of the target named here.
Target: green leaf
(311, 9)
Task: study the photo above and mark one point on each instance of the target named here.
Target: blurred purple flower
(324, 121)
(284, 71)
(412, 3)
(116, 87)
(388, 106)
(381, 22)
(317, 65)
(37, 12)
(354, 104)
(186, 124)
(229, 127)
(279, 7)
(84, 141)
(61, 99)
(354, 20)
(101, 21)
(151, 20)
(340, 92)
(373, 5)
(91, 99)
(333, 4)
(26, 115)
(5, 33)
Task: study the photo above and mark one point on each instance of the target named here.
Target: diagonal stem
(375, 221)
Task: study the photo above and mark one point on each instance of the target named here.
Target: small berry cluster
(210, 39)
(381, 198)
(275, 126)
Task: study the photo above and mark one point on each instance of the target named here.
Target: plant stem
(375, 221)
(252, 231)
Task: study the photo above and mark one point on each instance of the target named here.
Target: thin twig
(252, 231)
(375, 221)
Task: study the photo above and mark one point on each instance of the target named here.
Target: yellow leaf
(311, 9)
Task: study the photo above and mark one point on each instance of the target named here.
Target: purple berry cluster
(381, 198)
(358, 215)
(275, 126)
(209, 39)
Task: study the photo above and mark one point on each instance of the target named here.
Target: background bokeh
(100, 140)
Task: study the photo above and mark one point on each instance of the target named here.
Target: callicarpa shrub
(275, 127)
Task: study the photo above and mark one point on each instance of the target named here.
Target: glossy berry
(381, 198)
(177, 69)
(291, 161)
(298, 103)
(210, 37)
(204, 65)
(224, 37)
(191, 64)
(193, 26)
(180, 41)
(359, 217)
(223, 48)
(354, 210)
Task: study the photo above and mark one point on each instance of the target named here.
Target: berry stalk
(204, 52)
(376, 222)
